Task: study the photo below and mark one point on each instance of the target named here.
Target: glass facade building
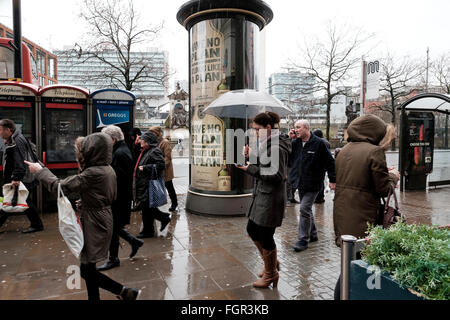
(291, 87)
(95, 74)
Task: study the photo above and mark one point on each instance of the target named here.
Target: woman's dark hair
(135, 132)
(266, 118)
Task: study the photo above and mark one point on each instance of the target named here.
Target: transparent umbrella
(246, 103)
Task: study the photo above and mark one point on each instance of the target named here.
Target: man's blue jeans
(306, 226)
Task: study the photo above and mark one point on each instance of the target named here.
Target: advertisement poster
(207, 131)
(373, 79)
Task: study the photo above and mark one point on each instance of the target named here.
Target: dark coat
(150, 157)
(308, 164)
(16, 150)
(122, 163)
(361, 178)
(135, 151)
(96, 185)
(269, 192)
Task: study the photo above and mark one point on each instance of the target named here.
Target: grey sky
(400, 26)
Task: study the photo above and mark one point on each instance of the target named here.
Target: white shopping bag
(69, 224)
(14, 200)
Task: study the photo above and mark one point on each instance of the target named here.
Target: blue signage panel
(110, 114)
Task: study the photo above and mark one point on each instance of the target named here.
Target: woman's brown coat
(361, 178)
(96, 185)
(166, 149)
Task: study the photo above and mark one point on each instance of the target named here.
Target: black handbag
(387, 215)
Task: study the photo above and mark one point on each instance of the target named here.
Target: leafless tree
(399, 79)
(441, 71)
(114, 38)
(331, 61)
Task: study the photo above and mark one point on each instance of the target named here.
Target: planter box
(384, 288)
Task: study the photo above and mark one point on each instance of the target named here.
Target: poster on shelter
(207, 131)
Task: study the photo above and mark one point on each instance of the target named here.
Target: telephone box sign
(15, 91)
(64, 93)
(114, 95)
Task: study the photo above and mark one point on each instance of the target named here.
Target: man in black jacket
(309, 160)
(14, 170)
(321, 196)
(122, 163)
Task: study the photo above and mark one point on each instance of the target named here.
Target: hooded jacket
(151, 156)
(96, 184)
(361, 177)
(269, 192)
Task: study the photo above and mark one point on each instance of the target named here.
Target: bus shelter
(424, 141)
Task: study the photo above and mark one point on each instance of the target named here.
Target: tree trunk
(328, 120)
(393, 120)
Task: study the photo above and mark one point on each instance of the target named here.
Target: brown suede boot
(270, 274)
(260, 249)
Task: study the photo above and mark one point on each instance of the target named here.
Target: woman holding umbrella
(269, 194)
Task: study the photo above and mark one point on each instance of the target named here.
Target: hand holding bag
(390, 215)
(157, 196)
(69, 224)
(14, 198)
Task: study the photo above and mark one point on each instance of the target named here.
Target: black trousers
(290, 191)
(321, 194)
(264, 235)
(172, 194)
(119, 231)
(148, 217)
(95, 279)
(31, 212)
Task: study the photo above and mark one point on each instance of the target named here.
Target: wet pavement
(196, 257)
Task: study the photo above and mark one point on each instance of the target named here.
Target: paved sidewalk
(196, 257)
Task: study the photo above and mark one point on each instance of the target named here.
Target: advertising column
(223, 45)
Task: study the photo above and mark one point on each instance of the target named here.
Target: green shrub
(416, 256)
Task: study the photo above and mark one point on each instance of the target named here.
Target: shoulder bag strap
(60, 192)
(388, 199)
(395, 197)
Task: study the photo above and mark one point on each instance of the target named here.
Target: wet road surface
(195, 257)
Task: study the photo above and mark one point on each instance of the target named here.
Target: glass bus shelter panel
(63, 127)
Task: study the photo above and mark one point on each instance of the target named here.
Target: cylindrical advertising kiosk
(223, 45)
(64, 111)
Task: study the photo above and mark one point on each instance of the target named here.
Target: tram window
(34, 66)
(6, 63)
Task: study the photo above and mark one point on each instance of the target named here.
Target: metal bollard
(347, 255)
